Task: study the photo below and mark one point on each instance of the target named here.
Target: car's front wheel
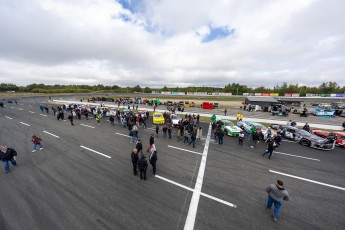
(304, 142)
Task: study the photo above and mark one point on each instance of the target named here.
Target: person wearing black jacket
(270, 148)
(192, 139)
(152, 139)
(7, 154)
(139, 146)
(153, 160)
(70, 118)
(135, 159)
(142, 164)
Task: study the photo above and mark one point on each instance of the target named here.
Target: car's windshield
(158, 115)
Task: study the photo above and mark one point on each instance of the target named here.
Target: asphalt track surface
(65, 186)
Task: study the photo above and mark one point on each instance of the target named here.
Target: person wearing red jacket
(36, 141)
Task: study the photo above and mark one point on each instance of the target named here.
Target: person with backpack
(36, 141)
(70, 118)
(135, 159)
(153, 159)
(6, 155)
(142, 165)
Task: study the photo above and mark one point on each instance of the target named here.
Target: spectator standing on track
(276, 194)
(164, 129)
(142, 164)
(238, 115)
(178, 134)
(241, 117)
(111, 119)
(213, 118)
(147, 115)
(255, 139)
(86, 114)
(306, 127)
(192, 139)
(144, 123)
(134, 133)
(46, 109)
(169, 131)
(270, 148)
(98, 118)
(54, 111)
(199, 133)
(152, 139)
(197, 118)
(139, 146)
(36, 141)
(153, 159)
(220, 136)
(70, 118)
(41, 108)
(241, 138)
(7, 154)
(225, 111)
(135, 159)
(185, 136)
(157, 130)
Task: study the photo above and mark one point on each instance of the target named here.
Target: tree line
(234, 88)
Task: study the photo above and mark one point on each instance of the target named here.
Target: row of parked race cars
(318, 139)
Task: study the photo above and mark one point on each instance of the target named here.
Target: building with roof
(288, 101)
(261, 100)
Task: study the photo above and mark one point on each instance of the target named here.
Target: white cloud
(87, 42)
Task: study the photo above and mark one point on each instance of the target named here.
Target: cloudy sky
(172, 42)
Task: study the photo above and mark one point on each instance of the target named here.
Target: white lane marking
(24, 123)
(122, 134)
(31, 112)
(219, 200)
(184, 149)
(175, 183)
(95, 151)
(193, 207)
(305, 179)
(51, 134)
(289, 141)
(202, 194)
(9, 117)
(87, 126)
(12, 107)
(20, 109)
(151, 128)
(43, 115)
(313, 159)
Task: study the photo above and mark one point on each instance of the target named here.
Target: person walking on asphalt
(135, 159)
(98, 118)
(157, 130)
(199, 133)
(111, 119)
(7, 154)
(192, 139)
(153, 159)
(225, 111)
(276, 194)
(270, 148)
(70, 118)
(142, 164)
(241, 138)
(139, 146)
(152, 139)
(36, 141)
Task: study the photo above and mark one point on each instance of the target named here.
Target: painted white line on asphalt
(95, 151)
(305, 179)
(193, 207)
(9, 117)
(175, 183)
(51, 134)
(20, 109)
(12, 107)
(192, 190)
(219, 200)
(87, 126)
(43, 115)
(151, 128)
(184, 149)
(122, 134)
(24, 123)
(31, 112)
(313, 159)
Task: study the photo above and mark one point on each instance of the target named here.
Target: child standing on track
(36, 141)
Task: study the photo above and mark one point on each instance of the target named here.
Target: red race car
(338, 136)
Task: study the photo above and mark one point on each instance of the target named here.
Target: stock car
(307, 139)
(175, 119)
(248, 125)
(229, 128)
(158, 118)
(339, 137)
